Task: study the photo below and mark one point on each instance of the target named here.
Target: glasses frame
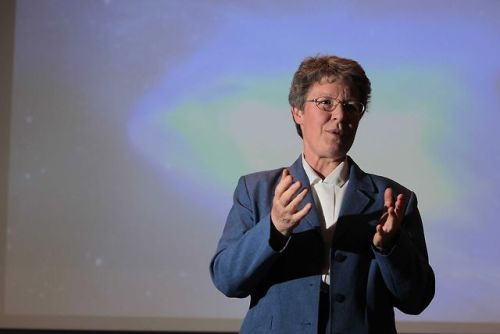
(336, 102)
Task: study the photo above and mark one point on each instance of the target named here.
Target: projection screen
(126, 124)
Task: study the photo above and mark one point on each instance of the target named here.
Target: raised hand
(284, 213)
(390, 222)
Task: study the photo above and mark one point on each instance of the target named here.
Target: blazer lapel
(358, 193)
(359, 196)
(311, 220)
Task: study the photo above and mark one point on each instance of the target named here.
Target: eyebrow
(350, 98)
(327, 95)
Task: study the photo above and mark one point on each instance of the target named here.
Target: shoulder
(378, 183)
(256, 190)
(262, 178)
(382, 182)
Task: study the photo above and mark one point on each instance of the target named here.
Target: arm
(404, 265)
(250, 243)
(244, 254)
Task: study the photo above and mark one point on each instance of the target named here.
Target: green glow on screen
(206, 125)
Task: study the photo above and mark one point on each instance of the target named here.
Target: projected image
(142, 116)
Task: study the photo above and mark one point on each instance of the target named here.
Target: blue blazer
(283, 279)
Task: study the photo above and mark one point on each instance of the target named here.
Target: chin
(335, 155)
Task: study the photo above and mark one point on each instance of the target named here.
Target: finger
(288, 195)
(285, 173)
(393, 222)
(379, 231)
(388, 198)
(389, 222)
(296, 217)
(284, 183)
(400, 202)
(383, 218)
(377, 237)
(294, 204)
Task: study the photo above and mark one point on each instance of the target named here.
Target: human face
(327, 135)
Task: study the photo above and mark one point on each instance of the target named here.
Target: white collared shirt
(328, 195)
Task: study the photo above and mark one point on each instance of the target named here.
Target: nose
(338, 113)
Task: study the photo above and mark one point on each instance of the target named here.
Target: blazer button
(339, 257)
(339, 298)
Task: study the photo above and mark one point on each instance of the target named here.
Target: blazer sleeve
(247, 248)
(405, 269)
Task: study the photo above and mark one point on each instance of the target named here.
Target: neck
(323, 166)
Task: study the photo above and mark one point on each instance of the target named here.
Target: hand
(284, 214)
(390, 222)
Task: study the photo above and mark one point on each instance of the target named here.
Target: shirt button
(339, 257)
(339, 298)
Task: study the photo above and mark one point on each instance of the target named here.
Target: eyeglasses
(329, 104)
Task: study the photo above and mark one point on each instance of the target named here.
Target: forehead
(330, 86)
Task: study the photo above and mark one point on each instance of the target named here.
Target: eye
(353, 107)
(350, 108)
(325, 102)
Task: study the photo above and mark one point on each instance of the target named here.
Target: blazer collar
(360, 193)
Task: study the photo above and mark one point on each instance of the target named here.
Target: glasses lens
(354, 107)
(326, 104)
(329, 104)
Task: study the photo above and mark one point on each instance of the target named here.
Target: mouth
(337, 132)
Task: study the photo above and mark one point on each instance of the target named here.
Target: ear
(297, 115)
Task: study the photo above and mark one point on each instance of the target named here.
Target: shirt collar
(337, 177)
